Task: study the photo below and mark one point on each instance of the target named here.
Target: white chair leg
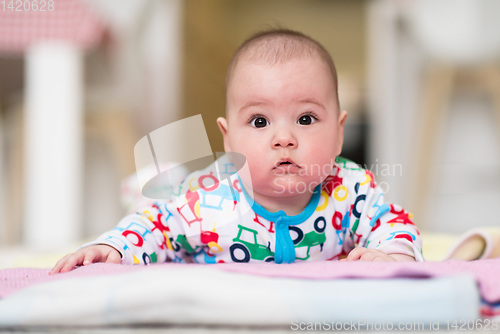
(53, 145)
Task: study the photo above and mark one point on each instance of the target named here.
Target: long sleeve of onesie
(366, 220)
(147, 237)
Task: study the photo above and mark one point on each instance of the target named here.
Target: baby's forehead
(254, 68)
(272, 65)
(253, 87)
(278, 47)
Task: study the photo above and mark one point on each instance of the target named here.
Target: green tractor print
(347, 164)
(311, 239)
(247, 248)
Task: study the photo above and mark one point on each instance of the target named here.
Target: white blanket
(208, 296)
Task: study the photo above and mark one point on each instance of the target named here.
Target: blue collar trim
(275, 216)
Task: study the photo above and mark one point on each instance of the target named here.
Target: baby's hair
(278, 46)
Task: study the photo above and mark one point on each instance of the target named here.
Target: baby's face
(285, 120)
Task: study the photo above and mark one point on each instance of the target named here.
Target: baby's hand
(85, 256)
(375, 255)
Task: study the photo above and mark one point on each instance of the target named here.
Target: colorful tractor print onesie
(215, 220)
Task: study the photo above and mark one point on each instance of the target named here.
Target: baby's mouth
(285, 163)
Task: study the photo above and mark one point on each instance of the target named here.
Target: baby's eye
(306, 119)
(259, 122)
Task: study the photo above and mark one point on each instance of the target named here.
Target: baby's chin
(289, 187)
(283, 185)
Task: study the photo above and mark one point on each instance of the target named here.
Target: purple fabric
(486, 272)
(11, 280)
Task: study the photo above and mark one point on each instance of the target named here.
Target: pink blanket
(486, 272)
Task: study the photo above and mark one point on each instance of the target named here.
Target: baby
(298, 201)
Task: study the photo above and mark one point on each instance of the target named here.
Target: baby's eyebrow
(261, 103)
(314, 102)
(251, 104)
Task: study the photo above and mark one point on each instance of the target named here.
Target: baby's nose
(284, 139)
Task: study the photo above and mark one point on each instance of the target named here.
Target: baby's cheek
(321, 162)
(255, 166)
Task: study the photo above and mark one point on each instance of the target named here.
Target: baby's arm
(85, 256)
(139, 238)
(380, 231)
(388, 234)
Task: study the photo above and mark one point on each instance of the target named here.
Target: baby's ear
(222, 123)
(340, 127)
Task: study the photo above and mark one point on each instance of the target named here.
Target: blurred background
(80, 84)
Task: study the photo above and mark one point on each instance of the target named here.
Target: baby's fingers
(73, 260)
(376, 255)
(114, 257)
(369, 256)
(356, 253)
(92, 255)
(57, 268)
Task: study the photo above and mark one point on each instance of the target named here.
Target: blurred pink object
(69, 20)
